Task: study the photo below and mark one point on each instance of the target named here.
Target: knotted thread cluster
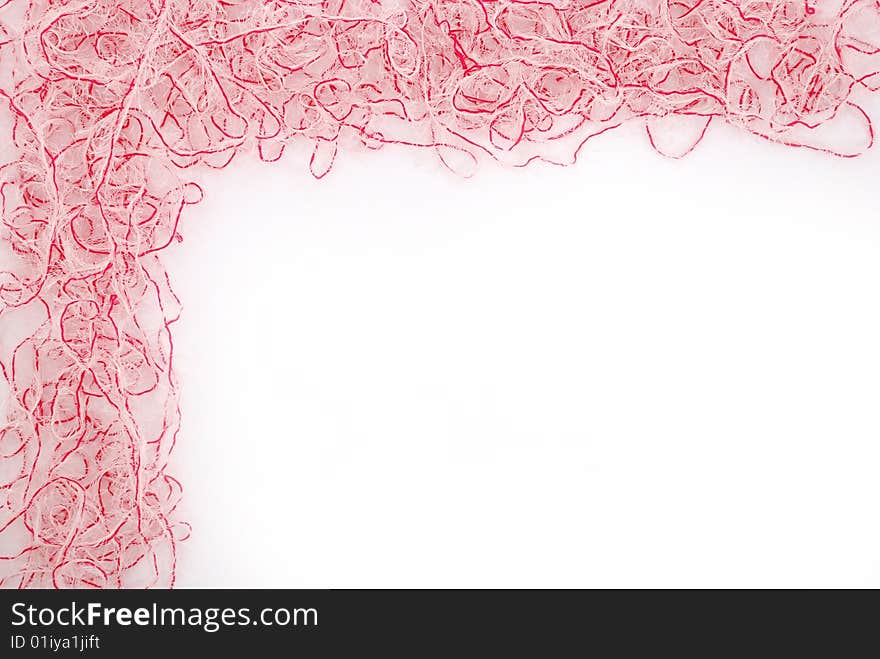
(110, 102)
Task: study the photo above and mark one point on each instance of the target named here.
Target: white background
(632, 372)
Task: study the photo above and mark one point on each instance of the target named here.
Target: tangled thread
(110, 102)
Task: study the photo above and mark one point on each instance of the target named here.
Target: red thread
(111, 101)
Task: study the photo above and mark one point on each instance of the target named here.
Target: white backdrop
(632, 372)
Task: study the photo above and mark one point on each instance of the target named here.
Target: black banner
(412, 623)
